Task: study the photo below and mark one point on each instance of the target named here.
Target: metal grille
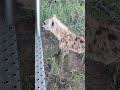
(9, 66)
(39, 65)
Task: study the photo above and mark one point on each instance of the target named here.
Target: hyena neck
(60, 33)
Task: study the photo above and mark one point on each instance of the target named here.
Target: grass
(71, 13)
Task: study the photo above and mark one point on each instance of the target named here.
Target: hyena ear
(54, 16)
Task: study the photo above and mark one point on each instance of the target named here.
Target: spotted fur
(68, 41)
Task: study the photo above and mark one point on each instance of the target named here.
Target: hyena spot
(81, 41)
(75, 39)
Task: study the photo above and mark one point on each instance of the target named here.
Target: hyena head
(50, 24)
(53, 24)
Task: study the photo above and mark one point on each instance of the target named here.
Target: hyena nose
(43, 24)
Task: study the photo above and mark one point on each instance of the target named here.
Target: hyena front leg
(64, 52)
(64, 48)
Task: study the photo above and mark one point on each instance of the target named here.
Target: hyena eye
(44, 23)
(52, 23)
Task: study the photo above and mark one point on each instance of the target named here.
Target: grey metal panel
(9, 65)
(39, 61)
(39, 65)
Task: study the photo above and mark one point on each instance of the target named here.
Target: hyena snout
(43, 24)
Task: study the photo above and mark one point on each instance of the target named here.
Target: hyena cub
(68, 41)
